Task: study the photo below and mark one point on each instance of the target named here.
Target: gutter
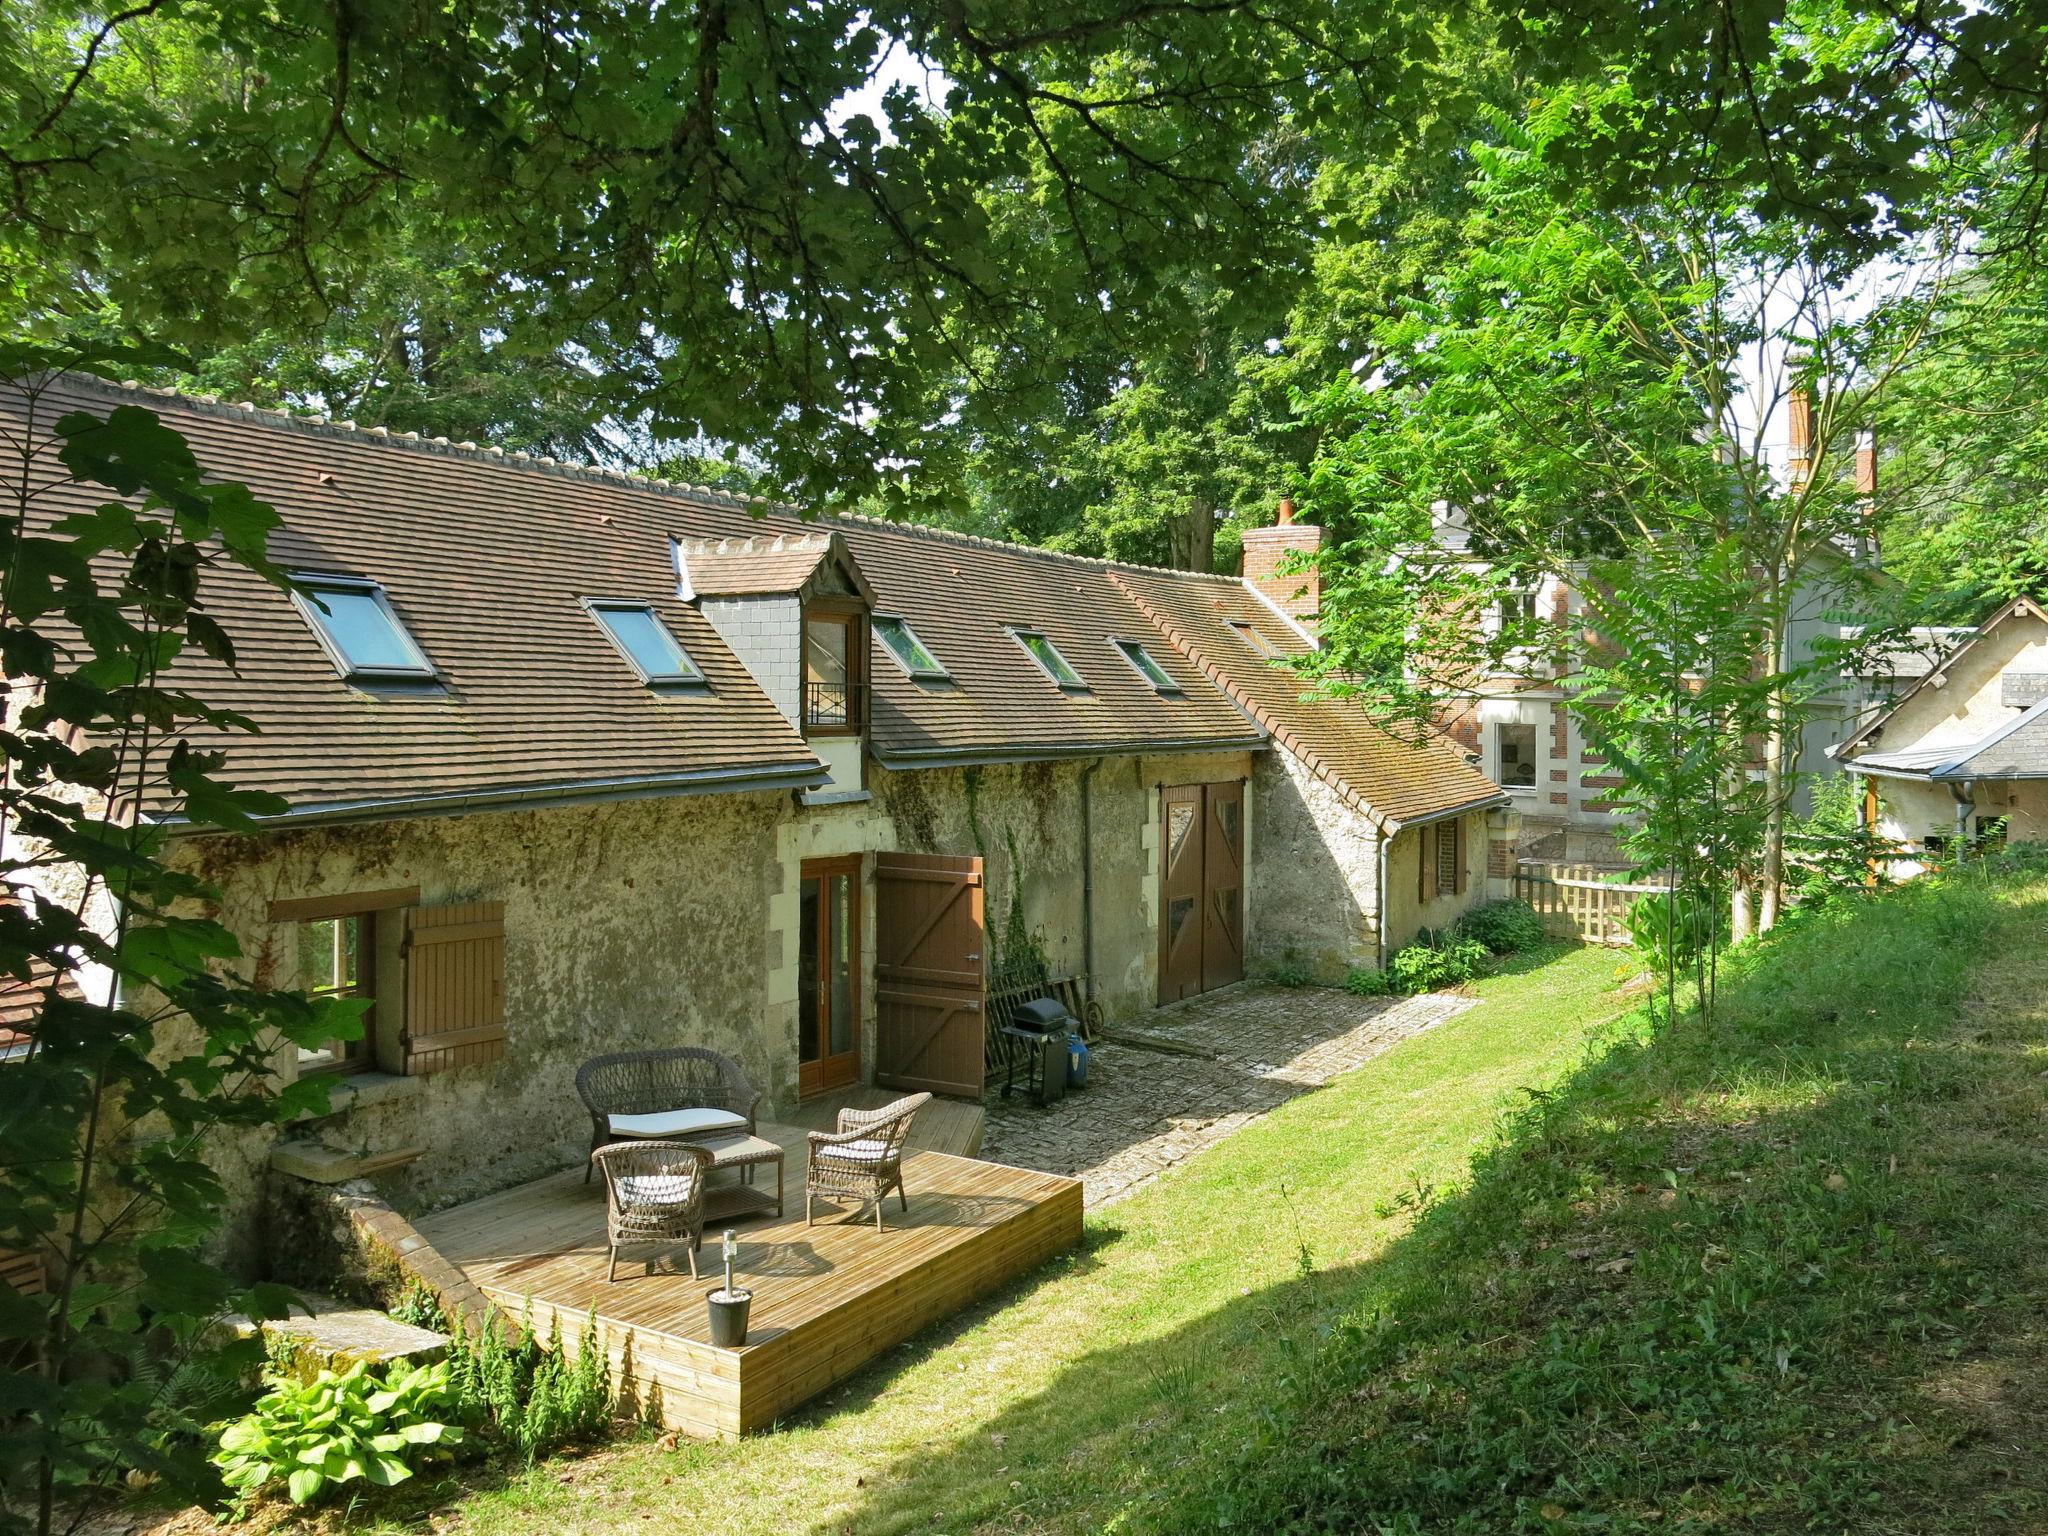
(534, 797)
(1392, 829)
(977, 757)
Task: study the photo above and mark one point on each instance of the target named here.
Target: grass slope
(1783, 1274)
(1088, 1390)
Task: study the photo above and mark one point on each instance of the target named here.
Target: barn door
(1222, 885)
(1180, 893)
(931, 980)
(1201, 889)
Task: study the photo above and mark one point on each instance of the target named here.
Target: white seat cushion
(678, 1124)
(856, 1152)
(645, 1189)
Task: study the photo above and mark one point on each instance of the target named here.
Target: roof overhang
(1396, 824)
(711, 781)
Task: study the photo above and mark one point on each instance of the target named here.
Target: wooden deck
(827, 1299)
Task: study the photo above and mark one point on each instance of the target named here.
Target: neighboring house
(579, 762)
(1962, 756)
(1523, 731)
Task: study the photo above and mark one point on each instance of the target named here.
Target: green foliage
(1439, 960)
(335, 1429)
(1368, 981)
(1289, 971)
(1505, 927)
(528, 1395)
(797, 230)
(1673, 932)
(105, 1125)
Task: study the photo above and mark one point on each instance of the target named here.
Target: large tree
(766, 226)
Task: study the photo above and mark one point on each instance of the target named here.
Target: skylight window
(910, 652)
(1049, 659)
(1148, 669)
(358, 629)
(1254, 639)
(647, 645)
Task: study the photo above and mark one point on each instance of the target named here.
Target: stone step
(330, 1335)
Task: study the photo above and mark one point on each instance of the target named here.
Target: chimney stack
(1298, 594)
(1866, 465)
(1799, 437)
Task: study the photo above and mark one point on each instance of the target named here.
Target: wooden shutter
(22, 1271)
(1425, 861)
(454, 986)
(1458, 856)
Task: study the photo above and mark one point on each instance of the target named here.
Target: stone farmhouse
(1961, 757)
(578, 762)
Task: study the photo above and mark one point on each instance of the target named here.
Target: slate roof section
(962, 596)
(485, 561)
(1378, 773)
(2016, 750)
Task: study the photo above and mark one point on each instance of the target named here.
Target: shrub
(1289, 971)
(1505, 927)
(1443, 961)
(1366, 981)
(1670, 931)
(336, 1429)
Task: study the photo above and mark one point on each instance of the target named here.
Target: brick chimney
(1866, 466)
(1799, 437)
(1298, 594)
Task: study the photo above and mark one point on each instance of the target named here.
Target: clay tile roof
(1378, 772)
(761, 564)
(485, 559)
(962, 596)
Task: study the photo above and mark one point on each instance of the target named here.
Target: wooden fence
(1580, 901)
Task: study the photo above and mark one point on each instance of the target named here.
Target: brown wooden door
(1180, 893)
(1201, 889)
(931, 977)
(828, 987)
(1222, 885)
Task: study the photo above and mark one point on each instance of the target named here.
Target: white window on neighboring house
(1514, 756)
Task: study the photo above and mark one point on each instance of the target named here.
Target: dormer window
(901, 642)
(835, 650)
(358, 629)
(1049, 659)
(1147, 668)
(649, 648)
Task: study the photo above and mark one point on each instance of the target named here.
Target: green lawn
(1533, 1271)
(1085, 1392)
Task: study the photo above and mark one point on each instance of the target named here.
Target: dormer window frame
(816, 714)
(689, 681)
(1147, 666)
(1073, 682)
(305, 594)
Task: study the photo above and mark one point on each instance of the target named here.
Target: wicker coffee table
(744, 1198)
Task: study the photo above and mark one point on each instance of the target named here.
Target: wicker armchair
(653, 1193)
(659, 1083)
(863, 1159)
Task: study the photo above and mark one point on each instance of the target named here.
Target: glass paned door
(828, 976)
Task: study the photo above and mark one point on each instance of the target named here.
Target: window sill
(360, 1090)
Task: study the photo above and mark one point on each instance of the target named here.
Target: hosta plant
(337, 1429)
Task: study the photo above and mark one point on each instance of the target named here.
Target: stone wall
(1025, 821)
(1314, 887)
(1407, 913)
(641, 923)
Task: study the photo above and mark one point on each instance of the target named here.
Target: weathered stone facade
(1314, 889)
(633, 924)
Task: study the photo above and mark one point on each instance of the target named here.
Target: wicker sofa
(673, 1094)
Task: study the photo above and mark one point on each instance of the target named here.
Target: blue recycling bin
(1077, 1062)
